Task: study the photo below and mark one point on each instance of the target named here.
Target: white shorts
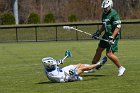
(74, 77)
(67, 68)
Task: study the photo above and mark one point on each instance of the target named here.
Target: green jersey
(110, 21)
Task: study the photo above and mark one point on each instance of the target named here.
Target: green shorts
(114, 48)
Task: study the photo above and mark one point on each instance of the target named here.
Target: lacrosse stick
(67, 55)
(72, 28)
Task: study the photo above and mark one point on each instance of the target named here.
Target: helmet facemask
(106, 10)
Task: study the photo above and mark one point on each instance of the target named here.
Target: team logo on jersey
(106, 21)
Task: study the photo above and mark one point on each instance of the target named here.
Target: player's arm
(101, 29)
(67, 55)
(98, 32)
(117, 24)
(115, 33)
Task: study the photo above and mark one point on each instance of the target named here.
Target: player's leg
(97, 55)
(99, 50)
(101, 47)
(84, 67)
(115, 60)
(101, 63)
(111, 55)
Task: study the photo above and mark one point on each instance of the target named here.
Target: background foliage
(7, 18)
(84, 10)
(49, 18)
(33, 18)
(72, 18)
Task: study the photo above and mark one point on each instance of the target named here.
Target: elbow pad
(117, 23)
(118, 26)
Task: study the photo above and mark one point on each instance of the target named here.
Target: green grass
(21, 70)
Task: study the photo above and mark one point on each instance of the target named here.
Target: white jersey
(62, 74)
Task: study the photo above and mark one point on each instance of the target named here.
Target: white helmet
(49, 63)
(107, 3)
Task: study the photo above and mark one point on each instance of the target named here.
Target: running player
(111, 25)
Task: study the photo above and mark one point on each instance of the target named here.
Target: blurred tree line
(69, 10)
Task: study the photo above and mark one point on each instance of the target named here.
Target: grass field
(21, 70)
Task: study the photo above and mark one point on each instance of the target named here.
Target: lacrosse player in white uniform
(67, 73)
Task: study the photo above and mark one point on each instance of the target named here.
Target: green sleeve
(116, 20)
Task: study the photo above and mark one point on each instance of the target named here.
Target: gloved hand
(96, 34)
(59, 62)
(111, 40)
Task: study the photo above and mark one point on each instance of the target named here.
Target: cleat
(121, 71)
(101, 63)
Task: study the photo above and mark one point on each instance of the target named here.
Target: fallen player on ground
(68, 73)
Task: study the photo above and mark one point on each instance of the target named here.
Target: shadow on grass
(90, 77)
(46, 82)
(49, 82)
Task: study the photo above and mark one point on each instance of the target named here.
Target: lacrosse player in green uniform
(111, 25)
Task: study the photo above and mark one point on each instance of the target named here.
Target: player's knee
(79, 65)
(109, 55)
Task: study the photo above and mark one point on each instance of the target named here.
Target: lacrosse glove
(111, 40)
(59, 62)
(96, 34)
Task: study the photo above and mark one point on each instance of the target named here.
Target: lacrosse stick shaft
(88, 34)
(102, 39)
(64, 58)
(82, 31)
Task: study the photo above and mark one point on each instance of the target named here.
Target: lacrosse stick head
(67, 27)
(68, 53)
